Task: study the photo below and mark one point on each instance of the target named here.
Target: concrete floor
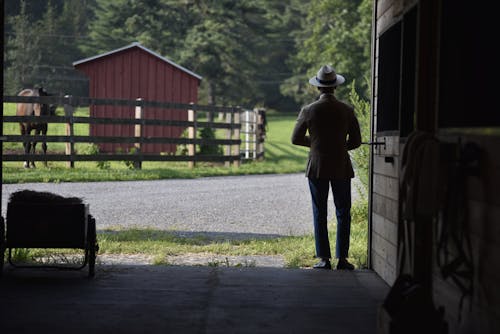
(189, 299)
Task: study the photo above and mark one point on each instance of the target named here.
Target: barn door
(393, 120)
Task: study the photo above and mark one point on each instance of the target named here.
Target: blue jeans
(341, 190)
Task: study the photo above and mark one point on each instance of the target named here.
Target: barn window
(468, 79)
(389, 79)
(408, 70)
(396, 76)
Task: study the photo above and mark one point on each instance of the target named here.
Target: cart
(49, 225)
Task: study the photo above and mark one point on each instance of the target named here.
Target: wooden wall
(385, 208)
(136, 73)
(480, 311)
(386, 162)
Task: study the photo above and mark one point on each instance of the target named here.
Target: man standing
(330, 129)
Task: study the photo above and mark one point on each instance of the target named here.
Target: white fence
(253, 130)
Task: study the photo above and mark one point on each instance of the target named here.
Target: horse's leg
(26, 143)
(33, 147)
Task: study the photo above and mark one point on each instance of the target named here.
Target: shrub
(209, 149)
(93, 149)
(182, 149)
(361, 155)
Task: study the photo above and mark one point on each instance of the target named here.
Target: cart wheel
(2, 245)
(92, 245)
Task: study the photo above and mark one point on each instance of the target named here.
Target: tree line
(249, 52)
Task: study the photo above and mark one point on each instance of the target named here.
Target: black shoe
(343, 264)
(323, 264)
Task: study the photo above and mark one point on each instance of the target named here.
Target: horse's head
(42, 92)
(46, 109)
(52, 109)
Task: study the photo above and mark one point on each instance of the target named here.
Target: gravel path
(235, 206)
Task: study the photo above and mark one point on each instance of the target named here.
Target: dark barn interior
(434, 232)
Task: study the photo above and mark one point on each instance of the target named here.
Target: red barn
(135, 72)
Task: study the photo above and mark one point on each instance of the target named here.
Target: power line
(49, 35)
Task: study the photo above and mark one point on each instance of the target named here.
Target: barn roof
(137, 45)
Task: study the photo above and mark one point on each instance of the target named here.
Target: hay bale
(41, 197)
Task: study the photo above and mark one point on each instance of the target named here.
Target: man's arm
(354, 135)
(299, 136)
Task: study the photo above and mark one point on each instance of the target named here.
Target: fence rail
(79, 101)
(107, 120)
(231, 126)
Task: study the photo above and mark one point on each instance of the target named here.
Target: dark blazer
(333, 131)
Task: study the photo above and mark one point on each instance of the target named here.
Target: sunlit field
(280, 157)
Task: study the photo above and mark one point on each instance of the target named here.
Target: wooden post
(70, 146)
(254, 134)
(259, 145)
(236, 136)
(138, 132)
(229, 134)
(247, 134)
(192, 136)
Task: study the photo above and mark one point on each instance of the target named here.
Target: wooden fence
(253, 129)
(231, 125)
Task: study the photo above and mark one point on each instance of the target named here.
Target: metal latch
(374, 143)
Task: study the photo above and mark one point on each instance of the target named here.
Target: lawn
(280, 157)
(297, 251)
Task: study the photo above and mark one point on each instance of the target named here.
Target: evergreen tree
(22, 53)
(221, 47)
(279, 25)
(41, 48)
(249, 52)
(335, 32)
(50, 57)
(157, 24)
(70, 31)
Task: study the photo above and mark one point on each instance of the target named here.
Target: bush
(209, 149)
(130, 164)
(361, 155)
(93, 149)
(182, 149)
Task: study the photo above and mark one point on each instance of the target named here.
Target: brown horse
(33, 109)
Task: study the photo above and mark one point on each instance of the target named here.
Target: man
(333, 130)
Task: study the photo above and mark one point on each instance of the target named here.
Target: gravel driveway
(241, 206)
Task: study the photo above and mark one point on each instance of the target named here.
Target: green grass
(297, 251)
(280, 157)
(53, 130)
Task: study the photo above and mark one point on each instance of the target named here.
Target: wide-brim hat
(326, 77)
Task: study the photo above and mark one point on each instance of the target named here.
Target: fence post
(192, 137)
(138, 132)
(247, 134)
(236, 136)
(229, 135)
(260, 133)
(70, 146)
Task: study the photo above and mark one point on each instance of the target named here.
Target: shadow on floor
(189, 299)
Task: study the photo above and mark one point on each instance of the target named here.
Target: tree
(68, 30)
(42, 47)
(335, 32)
(156, 24)
(50, 57)
(221, 46)
(280, 23)
(23, 53)
(361, 155)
